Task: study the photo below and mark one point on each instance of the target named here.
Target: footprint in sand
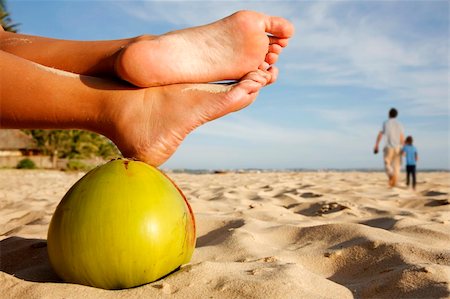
(331, 207)
(166, 288)
(437, 203)
(432, 193)
(321, 208)
(310, 195)
(306, 186)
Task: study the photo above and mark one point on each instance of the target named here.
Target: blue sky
(348, 64)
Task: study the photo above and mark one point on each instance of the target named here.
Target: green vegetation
(73, 144)
(26, 164)
(79, 165)
(5, 19)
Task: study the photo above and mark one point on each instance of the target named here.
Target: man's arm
(377, 142)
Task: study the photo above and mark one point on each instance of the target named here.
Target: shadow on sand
(26, 259)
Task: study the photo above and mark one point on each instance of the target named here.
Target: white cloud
(360, 49)
(369, 51)
(252, 130)
(194, 13)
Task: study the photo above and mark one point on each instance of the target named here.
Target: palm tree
(5, 19)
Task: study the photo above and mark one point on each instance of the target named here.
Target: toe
(271, 58)
(245, 91)
(264, 66)
(282, 42)
(275, 48)
(243, 94)
(260, 76)
(273, 71)
(279, 27)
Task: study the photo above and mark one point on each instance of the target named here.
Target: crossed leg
(149, 123)
(145, 123)
(227, 49)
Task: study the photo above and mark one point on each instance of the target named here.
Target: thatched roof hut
(16, 140)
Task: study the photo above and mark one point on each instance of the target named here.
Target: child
(410, 152)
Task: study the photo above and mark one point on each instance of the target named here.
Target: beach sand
(259, 235)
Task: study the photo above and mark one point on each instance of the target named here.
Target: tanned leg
(91, 58)
(148, 124)
(226, 49)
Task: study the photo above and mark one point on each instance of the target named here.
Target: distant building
(15, 145)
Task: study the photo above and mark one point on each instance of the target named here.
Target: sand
(260, 235)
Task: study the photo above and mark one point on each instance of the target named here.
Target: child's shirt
(410, 151)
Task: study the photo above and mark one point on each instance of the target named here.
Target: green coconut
(122, 225)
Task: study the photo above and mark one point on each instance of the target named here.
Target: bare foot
(152, 123)
(393, 181)
(224, 50)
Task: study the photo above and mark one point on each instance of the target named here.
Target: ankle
(112, 107)
(120, 109)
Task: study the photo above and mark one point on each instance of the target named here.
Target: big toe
(279, 27)
(245, 91)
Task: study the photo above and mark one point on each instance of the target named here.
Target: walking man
(393, 131)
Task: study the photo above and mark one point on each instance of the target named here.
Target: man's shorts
(392, 160)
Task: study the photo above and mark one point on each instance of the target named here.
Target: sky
(347, 65)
